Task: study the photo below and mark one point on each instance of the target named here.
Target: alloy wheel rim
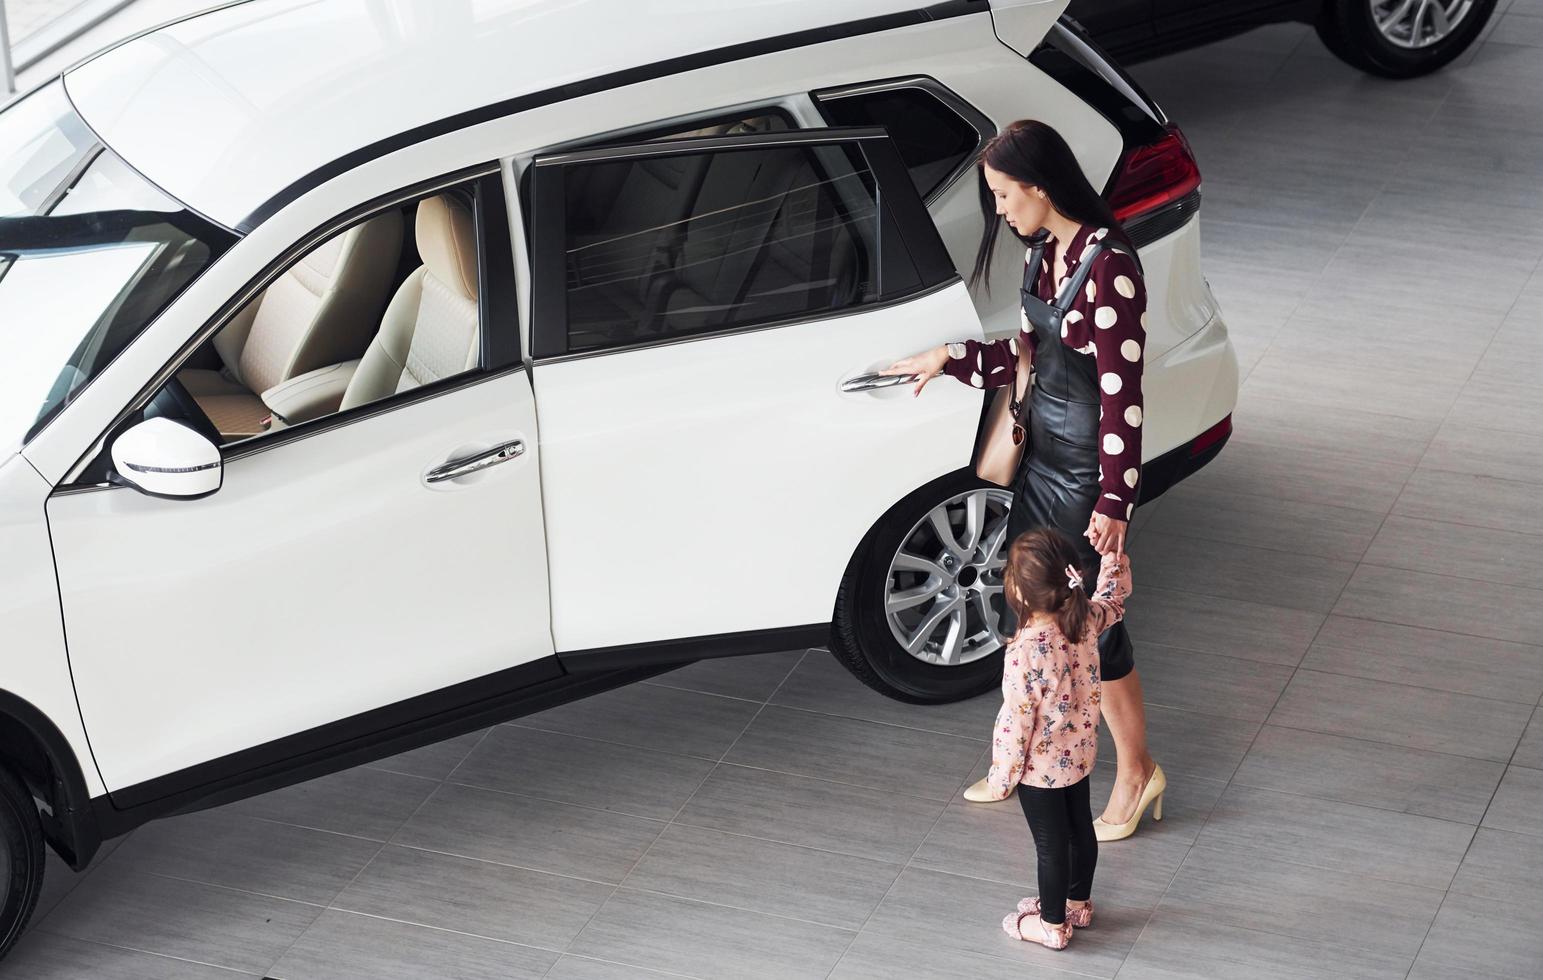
(943, 594)
(1415, 24)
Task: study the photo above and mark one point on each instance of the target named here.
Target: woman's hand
(926, 366)
(1106, 533)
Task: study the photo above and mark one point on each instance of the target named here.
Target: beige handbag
(1006, 431)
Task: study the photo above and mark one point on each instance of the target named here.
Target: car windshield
(90, 253)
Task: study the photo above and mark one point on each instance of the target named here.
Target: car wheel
(918, 617)
(1401, 38)
(21, 858)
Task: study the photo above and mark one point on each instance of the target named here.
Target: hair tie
(1073, 577)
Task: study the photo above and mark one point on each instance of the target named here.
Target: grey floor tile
(1441, 602)
(1247, 466)
(1530, 752)
(1462, 498)
(1486, 451)
(1519, 28)
(1176, 945)
(42, 956)
(1512, 356)
(1233, 571)
(820, 683)
(1268, 522)
(1518, 803)
(886, 958)
(1423, 657)
(1231, 627)
(59, 879)
(529, 833)
(1504, 868)
(816, 813)
(1223, 686)
(1389, 777)
(1297, 425)
(951, 912)
(1338, 837)
(181, 919)
(651, 717)
(1404, 389)
(586, 968)
(752, 678)
(1492, 404)
(434, 761)
(881, 757)
(1413, 717)
(233, 851)
(344, 946)
(1459, 550)
(1191, 742)
(762, 876)
(459, 894)
(570, 769)
(697, 939)
(1474, 937)
(361, 802)
(1238, 887)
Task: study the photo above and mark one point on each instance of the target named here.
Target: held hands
(926, 366)
(1106, 534)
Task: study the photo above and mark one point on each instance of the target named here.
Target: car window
(934, 140)
(656, 247)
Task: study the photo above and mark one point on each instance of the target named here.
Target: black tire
(21, 836)
(1348, 30)
(861, 638)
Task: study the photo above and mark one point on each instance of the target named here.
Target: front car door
(706, 313)
(332, 576)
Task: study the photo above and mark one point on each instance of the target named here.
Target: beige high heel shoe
(1151, 795)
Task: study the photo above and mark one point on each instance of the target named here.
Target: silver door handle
(475, 463)
(869, 382)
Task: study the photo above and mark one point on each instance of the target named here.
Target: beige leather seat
(429, 331)
(321, 311)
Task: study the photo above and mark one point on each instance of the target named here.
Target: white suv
(373, 374)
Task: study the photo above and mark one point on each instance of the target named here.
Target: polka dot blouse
(1107, 321)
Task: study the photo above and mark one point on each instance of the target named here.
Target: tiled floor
(1340, 625)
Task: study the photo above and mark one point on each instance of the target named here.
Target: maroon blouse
(1108, 321)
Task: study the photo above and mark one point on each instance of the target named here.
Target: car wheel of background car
(920, 606)
(1401, 38)
(21, 858)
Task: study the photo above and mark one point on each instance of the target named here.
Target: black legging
(1061, 821)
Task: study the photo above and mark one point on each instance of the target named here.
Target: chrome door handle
(475, 463)
(870, 382)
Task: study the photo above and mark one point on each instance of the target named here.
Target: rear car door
(708, 318)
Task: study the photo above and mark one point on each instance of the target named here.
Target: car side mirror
(163, 458)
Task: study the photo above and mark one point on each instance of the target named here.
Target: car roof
(238, 110)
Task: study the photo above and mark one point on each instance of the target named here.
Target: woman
(1081, 470)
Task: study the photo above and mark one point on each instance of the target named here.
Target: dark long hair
(1036, 581)
(1032, 152)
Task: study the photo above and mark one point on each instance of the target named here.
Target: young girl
(1047, 731)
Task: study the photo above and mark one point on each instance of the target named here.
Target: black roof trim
(602, 83)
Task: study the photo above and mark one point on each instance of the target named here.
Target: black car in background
(1393, 38)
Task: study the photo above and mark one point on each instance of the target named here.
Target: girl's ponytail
(1071, 617)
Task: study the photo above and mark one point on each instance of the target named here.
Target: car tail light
(1153, 176)
(1210, 437)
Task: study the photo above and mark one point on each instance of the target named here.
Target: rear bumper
(1191, 392)
(1160, 474)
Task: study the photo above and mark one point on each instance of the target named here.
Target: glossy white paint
(722, 484)
(33, 665)
(167, 459)
(226, 109)
(322, 580)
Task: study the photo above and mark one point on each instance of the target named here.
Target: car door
(708, 318)
(335, 585)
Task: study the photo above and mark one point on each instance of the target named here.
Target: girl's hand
(1106, 533)
(926, 366)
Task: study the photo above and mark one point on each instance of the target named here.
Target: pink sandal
(1055, 937)
(1080, 918)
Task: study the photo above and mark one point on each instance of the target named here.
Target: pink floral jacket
(1047, 731)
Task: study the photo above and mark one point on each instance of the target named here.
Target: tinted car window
(690, 242)
(933, 139)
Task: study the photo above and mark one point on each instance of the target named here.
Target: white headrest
(447, 242)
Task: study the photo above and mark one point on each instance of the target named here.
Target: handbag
(1005, 433)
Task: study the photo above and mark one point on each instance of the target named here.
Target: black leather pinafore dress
(1057, 483)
